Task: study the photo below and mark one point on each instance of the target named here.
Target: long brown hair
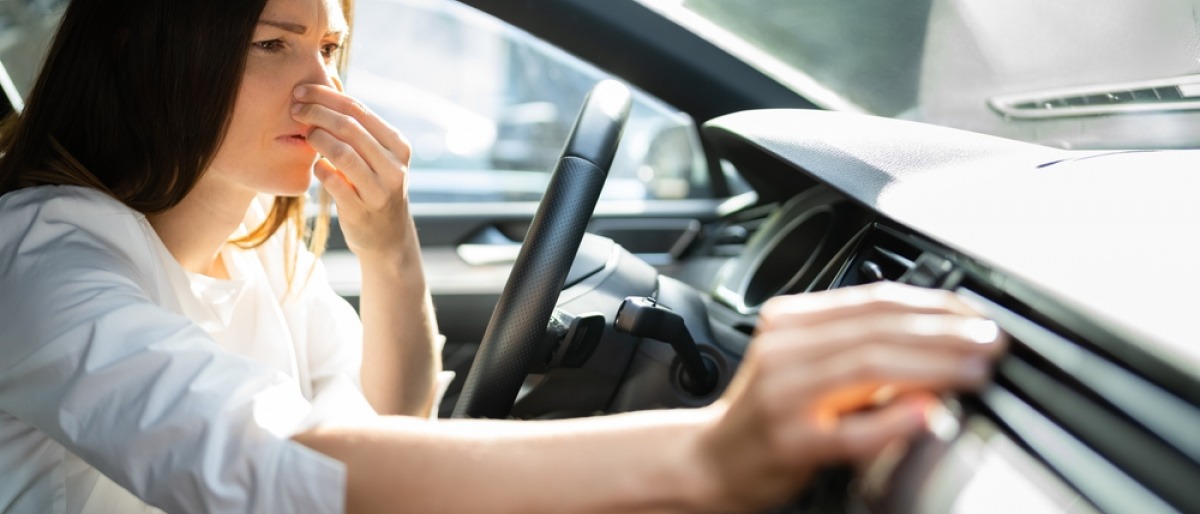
(135, 98)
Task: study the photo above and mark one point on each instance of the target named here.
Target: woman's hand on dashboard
(835, 377)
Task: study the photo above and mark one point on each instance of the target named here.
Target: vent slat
(894, 258)
(1172, 94)
(1170, 418)
(1132, 422)
(888, 255)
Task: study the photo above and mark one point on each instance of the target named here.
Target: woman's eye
(272, 46)
(329, 50)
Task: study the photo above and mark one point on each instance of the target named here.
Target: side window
(26, 28)
(487, 107)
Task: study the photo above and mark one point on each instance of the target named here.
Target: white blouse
(127, 382)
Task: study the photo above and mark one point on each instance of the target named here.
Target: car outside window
(487, 107)
(26, 27)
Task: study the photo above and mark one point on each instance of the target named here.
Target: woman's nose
(323, 73)
(327, 79)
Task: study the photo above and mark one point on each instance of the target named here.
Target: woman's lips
(296, 140)
(299, 138)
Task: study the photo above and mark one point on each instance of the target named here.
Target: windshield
(1068, 73)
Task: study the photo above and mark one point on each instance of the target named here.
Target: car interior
(574, 306)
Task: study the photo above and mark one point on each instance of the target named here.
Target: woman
(168, 344)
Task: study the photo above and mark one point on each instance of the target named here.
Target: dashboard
(1071, 252)
(1083, 257)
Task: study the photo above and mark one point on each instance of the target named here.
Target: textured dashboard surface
(1098, 232)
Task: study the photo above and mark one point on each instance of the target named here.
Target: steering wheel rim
(519, 320)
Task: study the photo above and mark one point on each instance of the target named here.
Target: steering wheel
(519, 320)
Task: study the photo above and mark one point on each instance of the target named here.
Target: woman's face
(296, 42)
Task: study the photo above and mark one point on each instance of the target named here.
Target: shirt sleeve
(141, 393)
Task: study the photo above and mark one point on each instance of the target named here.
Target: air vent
(728, 238)
(1174, 94)
(791, 249)
(1123, 441)
(884, 254)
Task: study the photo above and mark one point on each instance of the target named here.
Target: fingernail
(982, 331)
(300, 91)
(883, 395)
(296, 108)
(940, 421)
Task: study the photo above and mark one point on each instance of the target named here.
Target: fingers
(868, 377)
(351, 110)
(864, 348)
(348, 165)
(363, 165)
(862, 435)
(346, 142)
(840, 376)
(370, 153)
(949, 334)
(825, 378)
(849, 343)
(878, 298)
(868, 357)
(334, 181)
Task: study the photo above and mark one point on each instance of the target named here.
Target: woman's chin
(290, 185)
(295, 190)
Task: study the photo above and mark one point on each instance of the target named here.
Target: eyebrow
(294, 28)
